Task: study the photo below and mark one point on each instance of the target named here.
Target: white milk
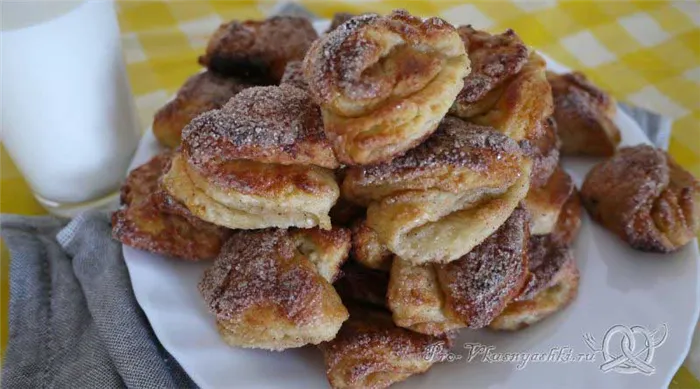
(68, 119)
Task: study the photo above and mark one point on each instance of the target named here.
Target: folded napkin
(74, 320)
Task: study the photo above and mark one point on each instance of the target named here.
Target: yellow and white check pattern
(643, 52)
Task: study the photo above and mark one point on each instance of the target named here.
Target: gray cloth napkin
(74, 321)
(656, 127)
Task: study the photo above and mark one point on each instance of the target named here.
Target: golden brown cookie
(542, 146)
(521, 103)
(494, 60)
(326, 249)
(384, 83)
(202, 92)
(584, 115)
(260, 161)
(371, 352)
(553, 284)
(545, 203)
(469, 292)
(146, 222)
(569, 221)
(646, 198)
(258, 48)
(444, 197)
(367, 249)
(266, 291)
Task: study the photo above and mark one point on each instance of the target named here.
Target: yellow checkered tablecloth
(643, 52)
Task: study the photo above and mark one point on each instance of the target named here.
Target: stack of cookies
(371, 190)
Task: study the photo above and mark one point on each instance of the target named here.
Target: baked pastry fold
(521, 103)
(151, 220)
(495, 59)
(371, 352)
(441, 199)
(469, 292)
(542, 146)
(584, 116)
(384, 83)
(647, 199)
(202, 92)
(507, 88)
(260, 161)
(553, 284)
(554, 275)
(258, 48)
(569, 221)
(367, 248)
(271, 289)
(545, 203)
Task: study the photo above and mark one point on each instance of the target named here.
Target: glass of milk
(68, 118)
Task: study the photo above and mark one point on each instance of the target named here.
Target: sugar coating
(257, 268)
(480, 283)
(455, 143)
(494, 58)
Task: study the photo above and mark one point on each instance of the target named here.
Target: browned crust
(546, 202)
(326, 249)
(258, 48)
(645, 198)
(455, 147)
(263, 269)
(202, 92)
(522, 314)
(345, 61)
(494, 58)
(543, 147)
(371, 352)
(275, 124)
(547, 257)
(367, 249)
(569, 221)
(267, 180)
(584, 115)
(455, 143)
(468, 292)
(144, 223)
(143, 180)
(478, 286)
(520, 103)
(294, 75)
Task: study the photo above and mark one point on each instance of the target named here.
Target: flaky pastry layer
(468, 292)
(584, 115)
(283, 204)
(646, 198)
(384, 83)
(267, 291)
(545, 203)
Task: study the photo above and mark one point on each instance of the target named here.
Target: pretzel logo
(628, 359)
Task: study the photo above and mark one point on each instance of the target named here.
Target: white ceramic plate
(619, 286)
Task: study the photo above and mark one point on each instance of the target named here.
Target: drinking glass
(68, 118)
